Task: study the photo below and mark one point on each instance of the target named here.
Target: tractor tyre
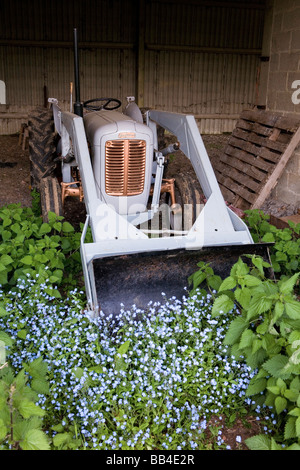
(51, 200)
(189, 198)
(42, 145)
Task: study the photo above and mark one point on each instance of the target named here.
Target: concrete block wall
(283, 90)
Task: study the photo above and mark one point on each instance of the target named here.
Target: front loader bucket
(137, 279)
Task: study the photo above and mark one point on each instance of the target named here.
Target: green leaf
(6, 338)
(27, 409)
(37, 368)
(251, 281)
(287, 286)
(243, 296)
(120, 363)
(3, 278)
(124, 347)
(274, 445)
(22, 334)
(61, 439)
(297, 424)
(268, 238)
(28, 260)
(291, 395)
(247, 339)
(222, 304)
(280, 256)
(263, 327)
(295, 384)
(3, 311)
(78, 372)
(6, 260)
(40, 386)
(6, 235)
(295, 412)
(276, 366)
(6, 221)
(292, 308)
(259, 263)
(236, 328)
(57, 226)
(3, 430)
(44, 228)
(278, 311)
(257, 344)
(57, 427)
(260, 442)
(274, 389)
(197, 278)
(67, 227)
(41, 258)
(228, 284)
(290, 429)
(35, 439)
(2, 267)
(52, 217)
(2, 353)
(280, 404)
(256, 386)
(259, 304)
(214, 281)
(53, 292)
(239, 269)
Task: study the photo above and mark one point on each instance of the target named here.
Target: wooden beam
(13, 116)
(191, 48)
(274, 177)
(65, 44)
(261, 98)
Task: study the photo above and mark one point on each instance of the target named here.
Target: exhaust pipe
(78, 108)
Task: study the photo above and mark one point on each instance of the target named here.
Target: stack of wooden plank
(255, 156)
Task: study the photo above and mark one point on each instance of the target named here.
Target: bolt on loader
(149, 232)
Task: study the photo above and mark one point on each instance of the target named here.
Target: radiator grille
(125, 164)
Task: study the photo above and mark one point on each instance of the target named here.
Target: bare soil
(15, 184)
(14, 172)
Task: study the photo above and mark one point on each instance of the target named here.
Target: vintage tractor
(148, 232)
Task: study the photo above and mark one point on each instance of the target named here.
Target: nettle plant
(20, 416)
(266, 334)
(30, 247)
(285, 251)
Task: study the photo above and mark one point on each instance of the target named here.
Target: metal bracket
(160, 159)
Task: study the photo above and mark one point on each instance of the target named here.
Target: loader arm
(217, 217)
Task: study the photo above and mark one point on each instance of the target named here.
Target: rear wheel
(188, 196)
(42, 153)
(42, 144)
(50, 191)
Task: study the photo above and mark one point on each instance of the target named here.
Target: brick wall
(283, 90)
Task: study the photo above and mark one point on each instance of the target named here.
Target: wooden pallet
(255, 156)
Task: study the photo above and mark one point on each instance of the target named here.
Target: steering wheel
(94, 107)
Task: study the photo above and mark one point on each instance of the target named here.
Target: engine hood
(100, 123)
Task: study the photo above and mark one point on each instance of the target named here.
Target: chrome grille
(125, 165)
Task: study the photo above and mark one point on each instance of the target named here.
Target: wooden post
(261, 98)
(274, 177)
(141, 55)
